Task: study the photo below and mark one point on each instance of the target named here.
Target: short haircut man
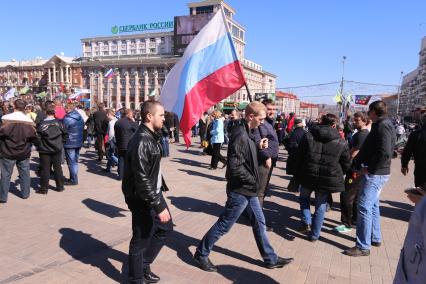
(20, 105)
(148, 107)
(379, 107)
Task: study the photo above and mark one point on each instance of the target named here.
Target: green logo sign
(114, 29)
(142, 27)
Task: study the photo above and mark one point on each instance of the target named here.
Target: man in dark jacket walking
(124, 129)
(242, 190)
(291, 144)
(51, 137)
(322, 160)
(17, 133)
(142, 188)
(416, 147)
(374, 161)
(74, 126)
(101, 125)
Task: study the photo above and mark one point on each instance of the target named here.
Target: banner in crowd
(9, 94)
(362, 100)
(208, 72)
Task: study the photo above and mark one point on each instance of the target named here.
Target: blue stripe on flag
(203, 63)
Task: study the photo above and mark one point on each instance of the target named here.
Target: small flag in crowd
(153, 93)
(362, 100)
(208, 72)
(10, 94)
(337, 98)
(41, 95)
(24, 90)
(109, 74)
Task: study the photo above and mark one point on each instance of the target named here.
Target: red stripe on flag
(208, 92)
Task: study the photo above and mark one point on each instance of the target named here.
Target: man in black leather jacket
(242, 189)
(142, 188)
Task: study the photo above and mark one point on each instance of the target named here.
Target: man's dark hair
(127, 111)
(20, 105)
(379, 108)
(361, 115)
(148, 107)
(268, 102)
(47, 104)
(101, 106)
(50, 110)
(329, 119)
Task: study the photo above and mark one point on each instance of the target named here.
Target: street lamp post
(398, 95)
(343, 103)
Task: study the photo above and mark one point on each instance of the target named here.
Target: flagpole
(242, 71)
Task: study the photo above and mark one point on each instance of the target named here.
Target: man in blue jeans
(242, 191)
(374, 161)
(74, 125)
(321, 160)
(17, 132)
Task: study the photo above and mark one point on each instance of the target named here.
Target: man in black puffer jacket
(51, 137)
(321, 161)
(142, 188)
(242, 189)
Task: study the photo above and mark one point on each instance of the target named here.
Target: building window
(124, 52)
(133, 51)
(235, 32)
(163, 39)
(204, 10)
(105, 53)
(152, 50)
(152, 39)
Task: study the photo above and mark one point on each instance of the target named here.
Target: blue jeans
(6, 168)
(234, 206)
(368, 221)
(110, 154)
(165, 144)
(320, 207)
(72, 155)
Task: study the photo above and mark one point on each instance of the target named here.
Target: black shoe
(304, 229)
(357, 252)
(41, 191)
(376, 244)
(269, 228)
(68, 182)
(212, 169)
(204, 263)
(3, 201)
(281, 262)
(150, 277)
(59, 189)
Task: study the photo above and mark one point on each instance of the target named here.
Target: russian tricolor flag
(208, 72)
(109, 74)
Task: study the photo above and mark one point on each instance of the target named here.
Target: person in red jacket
(290, 123)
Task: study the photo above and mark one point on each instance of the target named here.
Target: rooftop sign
(142, 27)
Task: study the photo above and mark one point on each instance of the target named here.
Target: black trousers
(46, 162)
(149, 236)
(348, 202)
(217, 156)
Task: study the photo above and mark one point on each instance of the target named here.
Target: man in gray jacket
(412, 264)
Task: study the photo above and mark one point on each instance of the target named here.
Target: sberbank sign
(142, 27)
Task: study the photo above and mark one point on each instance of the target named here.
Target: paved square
(82, 234)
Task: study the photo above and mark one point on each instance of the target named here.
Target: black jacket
(292, 143)
(124, 129)
(101, 122)
(377, 150)
(16, 138)
(416, 147)
(51, 136)
(242, 165)
(141, 170)
(322, 159)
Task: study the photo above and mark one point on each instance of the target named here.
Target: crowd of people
(324, 157)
